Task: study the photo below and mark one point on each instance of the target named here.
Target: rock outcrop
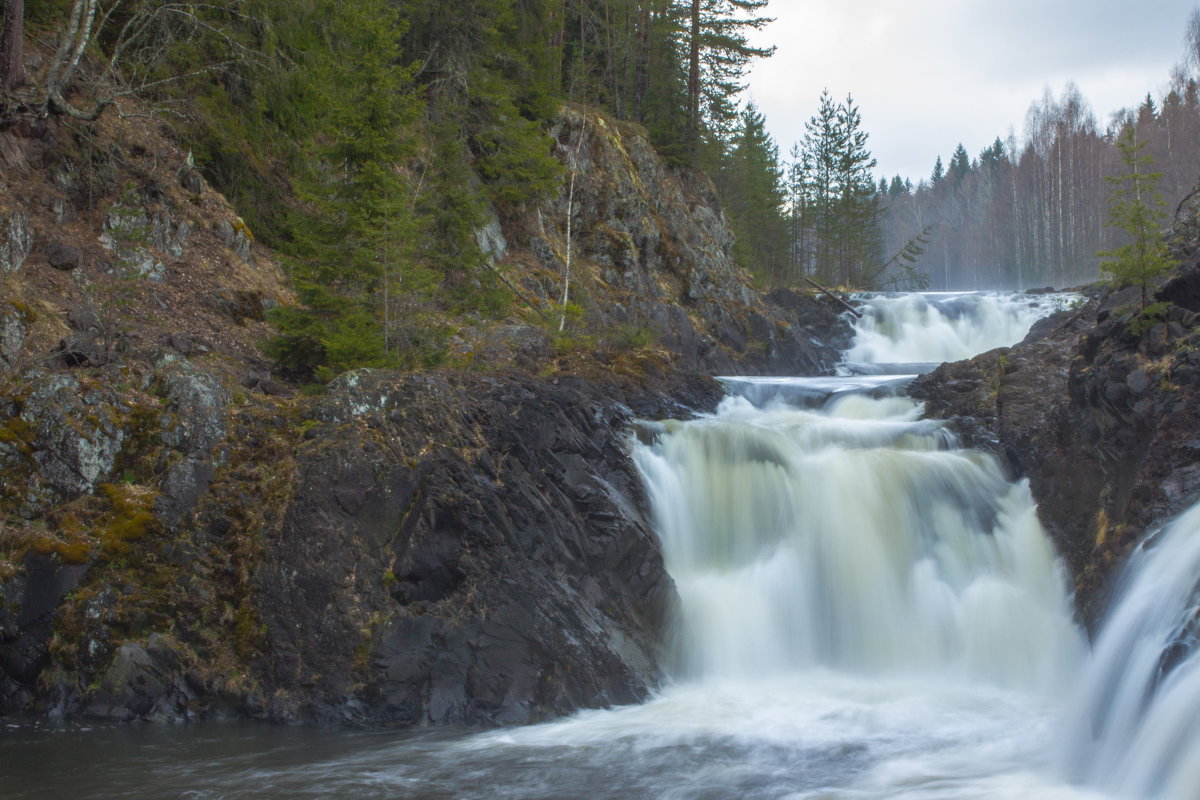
(652, 255)
(467, 550)
(182, 535)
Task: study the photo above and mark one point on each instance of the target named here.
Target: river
(868, 610)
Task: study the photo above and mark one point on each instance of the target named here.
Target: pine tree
(1138, 210)
(718, 55)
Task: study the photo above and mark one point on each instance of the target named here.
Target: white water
(1136, 718)
(945, 326)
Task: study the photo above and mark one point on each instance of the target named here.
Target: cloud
(929, 74)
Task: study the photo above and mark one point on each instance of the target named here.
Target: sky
(929, 74)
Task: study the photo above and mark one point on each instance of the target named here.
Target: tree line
(1033, 211)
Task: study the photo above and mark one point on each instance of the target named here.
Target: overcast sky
(928, 74)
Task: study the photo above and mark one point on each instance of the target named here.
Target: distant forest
(1032, 212)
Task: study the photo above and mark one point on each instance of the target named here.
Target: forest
(367, 141)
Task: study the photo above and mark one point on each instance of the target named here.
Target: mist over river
(867, 610)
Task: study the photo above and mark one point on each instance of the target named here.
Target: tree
(718, 54)
(754, 199)
(939, 173)
(12, 46)
(353, 260)
(960, 165)
(843, 204)
(860, 245)
(1138, 210)
(824, 143)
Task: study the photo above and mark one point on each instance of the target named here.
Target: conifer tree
(939, 173)
(858, 207)
(718, 55)
(352, 258)
(754, 199)
(1138, 210)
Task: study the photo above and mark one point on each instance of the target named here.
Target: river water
(868, 610)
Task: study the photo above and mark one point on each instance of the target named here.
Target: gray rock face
(13, 330)
(16, 241)
(76, 433)
(141, 682)
(194, 422)
(236, 237)
(659, 241)
(465, 550)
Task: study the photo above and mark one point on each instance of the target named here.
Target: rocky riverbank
(1097, 408)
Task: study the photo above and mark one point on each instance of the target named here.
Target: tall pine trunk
(693, 87)
(12, 46)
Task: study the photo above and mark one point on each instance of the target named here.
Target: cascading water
(858, 538)
(1136, 723)
(935, 327)
(867, 610)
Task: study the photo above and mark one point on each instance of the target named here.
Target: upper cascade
(927, 329)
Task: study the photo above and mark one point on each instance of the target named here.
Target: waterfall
(935, 327)
(856, 537)
(1135, 726)
(868, 611)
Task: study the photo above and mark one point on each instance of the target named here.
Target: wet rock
(140, 683)
(26, 620)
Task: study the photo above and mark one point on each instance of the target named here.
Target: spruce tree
(939, 173)
(860, 243)
(1138, 210)
(352, 257)
(754, 199)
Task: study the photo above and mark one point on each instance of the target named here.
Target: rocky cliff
(1097, 408)
(182, 533)
(650, 252)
